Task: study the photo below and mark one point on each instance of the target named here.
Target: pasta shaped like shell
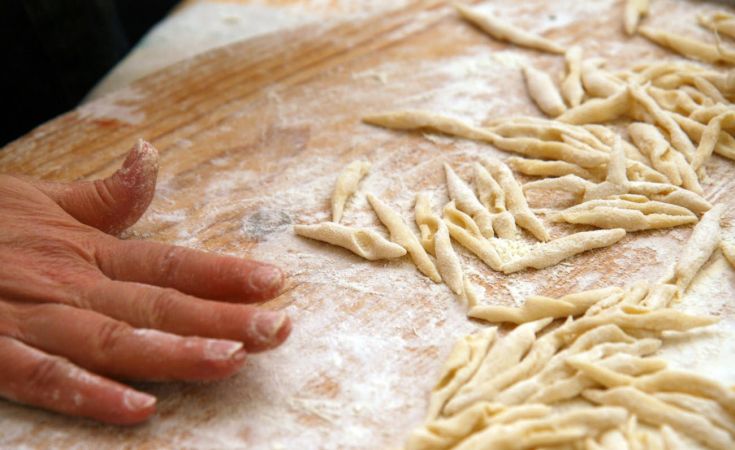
(363, 242)
(435, 239)
(551, 253)
(346, 186)
(503, 31)
(543, 91)
(402, 235)
(629, 215)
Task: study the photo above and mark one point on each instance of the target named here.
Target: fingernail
(265, 278)
(220, 350)
(267, 324)
(135, 401)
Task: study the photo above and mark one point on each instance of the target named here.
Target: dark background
(54, 51)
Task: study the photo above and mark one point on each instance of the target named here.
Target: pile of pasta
(589, 381)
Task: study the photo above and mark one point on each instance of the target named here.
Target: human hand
(78, 305)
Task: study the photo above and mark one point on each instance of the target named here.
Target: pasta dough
(493, 197)
(703, 242)
(503, 31)
(538, 307)
(628, 212)
(465, 200)
(634, 11)
(346, 186)
(667, 161)
(416, 119)
(435, 239)
(599, 110)
(550, 253)
(464, 230)
(402, 235)
(571, 86)
(366, 243)
(691, 48)
(543, 91)
(515, 200)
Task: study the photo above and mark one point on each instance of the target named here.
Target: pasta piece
(636, 170)
(504, 356)
(543, 91)
(465, 200)
(638, 319)
(346, 186)
(464, 230)
(686, 46)
(515, 200)
(649, 409)
(548, 130)
(435, 240)
(537, 148)
(560, 428)
(624, 213)
(571, 86)
(469, 293)
(461, 365)
(707, 88)
(679, 139)
(503, 31)
(551, 253)
(538, 307)
(672, 164)
(417, 119)
(616, 181)
(598, 82)
(729, 251)
(443, 433)
(710, 409)
(540, 168)
(701, 244)
(668, 193)
(634, 11)
(725, 145)
(709, 139)
(660, 296)
(676, 101)
(719, 21)
(360, 241)
(493, 197)
(402, 235)
(599, 110)
(671, 439)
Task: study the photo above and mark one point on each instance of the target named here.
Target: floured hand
(78, 305)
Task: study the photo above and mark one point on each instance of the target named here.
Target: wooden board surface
(251, 139)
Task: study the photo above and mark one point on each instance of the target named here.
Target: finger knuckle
(170, 263)
(46, 372)
(109, 336)
(162, 306)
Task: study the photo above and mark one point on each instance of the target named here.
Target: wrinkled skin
(78, 305)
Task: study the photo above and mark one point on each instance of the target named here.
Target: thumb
(115, 203)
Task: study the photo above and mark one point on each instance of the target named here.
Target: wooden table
(251, 139)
